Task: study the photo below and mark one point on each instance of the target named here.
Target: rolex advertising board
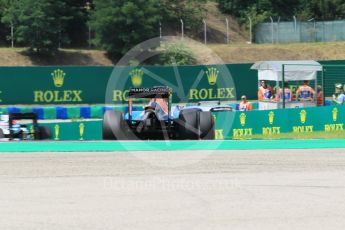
(100, 85)
(89, 85)
(52, 85)
(272, 123)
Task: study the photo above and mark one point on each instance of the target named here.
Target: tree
(77, 11)
(39, 23)
(236, 7)
(119, 25)
(286, 9)
(191, 11)
(326, 9)
(7, 16)
(2, 26)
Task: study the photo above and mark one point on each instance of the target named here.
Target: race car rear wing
(155, 92)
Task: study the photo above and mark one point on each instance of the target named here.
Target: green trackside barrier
(272, 123)
(87, 85)
(81, 130)
(236, 125)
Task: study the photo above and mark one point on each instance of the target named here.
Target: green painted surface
(75, 130)
(167, 145)
(272, 123)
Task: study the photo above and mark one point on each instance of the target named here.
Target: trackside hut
(285, 71)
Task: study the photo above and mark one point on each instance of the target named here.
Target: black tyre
(2, 135)
(188, 124)
(112, 128)
(207, 131)
(44, 133)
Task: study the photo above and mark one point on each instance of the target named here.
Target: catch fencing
(294, 31)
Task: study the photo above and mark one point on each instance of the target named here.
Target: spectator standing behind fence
(319, 96)
(340, 99)
(265, 92)
(305, 92)
(287, 93)
(245, 105)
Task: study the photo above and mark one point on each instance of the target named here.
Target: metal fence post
(295, 23)
(278, 22)
(90, 36)
(227, 31)
(12, 35)
(182, 29)
(250, 30)
(160, 30)
(205, 31)
(272, 28)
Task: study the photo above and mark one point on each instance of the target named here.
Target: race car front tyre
(44, 133)
(112, 128)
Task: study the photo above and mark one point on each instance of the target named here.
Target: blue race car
(158, 120)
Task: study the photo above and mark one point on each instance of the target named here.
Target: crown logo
(335, 114)
(212, 75)
(303, 116)
(58, 77)
(243, 119)
(271, 117)
(136, 77)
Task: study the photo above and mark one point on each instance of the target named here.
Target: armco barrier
(246, 125)
(272, 123)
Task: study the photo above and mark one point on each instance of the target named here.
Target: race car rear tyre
(195, 124)
(44, 133)
(207, 131)
(112, 128)
(188, 124)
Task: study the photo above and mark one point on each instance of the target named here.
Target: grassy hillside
(233, 53)
(19, 57)
(238, 51)
(248, 53)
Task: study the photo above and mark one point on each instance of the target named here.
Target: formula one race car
(13, 130)
(157, 120)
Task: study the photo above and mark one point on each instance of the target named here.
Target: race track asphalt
(248, 189)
